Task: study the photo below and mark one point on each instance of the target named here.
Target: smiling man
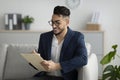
(62, 49)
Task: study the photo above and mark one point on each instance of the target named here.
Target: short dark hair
(62, 10)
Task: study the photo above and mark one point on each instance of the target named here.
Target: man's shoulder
(74, 32)
(77, 33)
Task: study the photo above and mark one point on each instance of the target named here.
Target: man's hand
(50, 65)
(34, 52)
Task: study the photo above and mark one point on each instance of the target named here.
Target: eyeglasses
(57, 22)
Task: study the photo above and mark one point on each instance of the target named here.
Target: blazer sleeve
(80, 58)
(40, 45)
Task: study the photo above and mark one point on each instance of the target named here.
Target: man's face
(59, 24)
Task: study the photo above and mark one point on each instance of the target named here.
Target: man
(62, 49)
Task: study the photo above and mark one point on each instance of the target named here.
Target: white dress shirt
(55, 55)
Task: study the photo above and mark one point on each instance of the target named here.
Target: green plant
(27, 19)
(111, 72)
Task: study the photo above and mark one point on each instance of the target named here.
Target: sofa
(14, 67)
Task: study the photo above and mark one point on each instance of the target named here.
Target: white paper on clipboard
(34, 59)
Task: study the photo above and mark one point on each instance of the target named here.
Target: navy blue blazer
(73, 54)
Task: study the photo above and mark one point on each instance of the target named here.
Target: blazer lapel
(49, 44)
(66, 42)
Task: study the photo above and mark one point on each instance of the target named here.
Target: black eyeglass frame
(57, 23)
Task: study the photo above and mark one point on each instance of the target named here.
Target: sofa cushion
(89, 71)
(88, 46)
(16, 66)
(3, 50)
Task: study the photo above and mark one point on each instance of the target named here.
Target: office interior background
(41, 10)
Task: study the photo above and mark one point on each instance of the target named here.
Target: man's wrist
(58, 66)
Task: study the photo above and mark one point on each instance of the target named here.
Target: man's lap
(51, 78)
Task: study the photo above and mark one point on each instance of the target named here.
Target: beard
(58, 33)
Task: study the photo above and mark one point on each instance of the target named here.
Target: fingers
(34, 52)
(50, 65)
(46, 65)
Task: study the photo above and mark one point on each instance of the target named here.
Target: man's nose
(53, 25)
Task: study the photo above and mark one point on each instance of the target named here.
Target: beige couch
(14, 67)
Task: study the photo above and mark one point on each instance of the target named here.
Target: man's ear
(67, 22)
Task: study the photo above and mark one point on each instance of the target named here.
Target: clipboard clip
(33, 66)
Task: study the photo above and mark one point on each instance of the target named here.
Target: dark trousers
(50, 78)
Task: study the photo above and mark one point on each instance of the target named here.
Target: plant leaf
(111, 55)
(115, 46)
(106, 59)
(108, 68)
(111, 72)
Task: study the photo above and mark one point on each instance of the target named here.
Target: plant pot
(27, 26)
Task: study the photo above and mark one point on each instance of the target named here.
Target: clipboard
(34, 60)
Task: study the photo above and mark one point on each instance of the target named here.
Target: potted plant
(110, 72)
(27, 20)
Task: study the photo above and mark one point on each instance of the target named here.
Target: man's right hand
(50, 65)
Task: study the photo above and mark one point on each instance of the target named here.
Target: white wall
(41, 10)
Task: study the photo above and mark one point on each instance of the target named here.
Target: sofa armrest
(90, 71)
(3, 50)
